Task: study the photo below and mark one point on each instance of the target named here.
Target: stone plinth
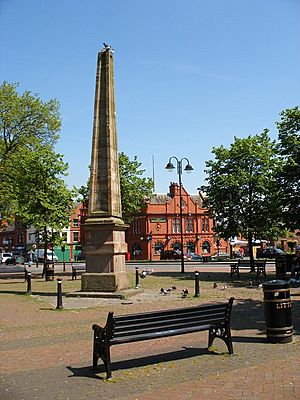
(104, 282)
(105, 250)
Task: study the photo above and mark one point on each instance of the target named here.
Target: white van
(39, 255)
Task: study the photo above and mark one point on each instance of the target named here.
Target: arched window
(136, 250)
(205, 247)
(158, 247)
(176, 246)
(190, 247)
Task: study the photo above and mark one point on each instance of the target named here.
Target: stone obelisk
(105, 245)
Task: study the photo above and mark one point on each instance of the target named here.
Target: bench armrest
(96, 327)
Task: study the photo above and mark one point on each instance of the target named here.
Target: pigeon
(171, 288)
(149, 271)
(215, 285)
(163, 291)
(184, 293)
(143, 274)
(224, 287)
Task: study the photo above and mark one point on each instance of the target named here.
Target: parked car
(170, 255)
(11, 260)
(196, 257)
(39, 256)
(187, 256)
(269, 252)
(220, 257)
(5, 256)
(80, 257)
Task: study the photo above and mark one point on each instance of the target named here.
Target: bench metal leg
(222, 332)
(234, 269)
(101, 349)
(74, 274)
(106, 360)
(261, 271)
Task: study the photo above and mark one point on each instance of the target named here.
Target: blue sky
(189, 74)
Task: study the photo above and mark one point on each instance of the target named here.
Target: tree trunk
(45, 251)
(250, 244)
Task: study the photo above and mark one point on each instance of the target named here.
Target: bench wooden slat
(164, 328)
(161, 324)
(158, 334)
(161, 313)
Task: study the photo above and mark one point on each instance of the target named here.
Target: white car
(39, 255)
(5, 256)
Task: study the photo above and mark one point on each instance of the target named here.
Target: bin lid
(276, 284)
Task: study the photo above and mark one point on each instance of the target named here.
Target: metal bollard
(137, 278)
(28, 277)
(197, 287)
(59, 294)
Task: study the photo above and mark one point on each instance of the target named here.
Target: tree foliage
(30, 171)
(241, 190)
(289, 177)
(135, 189)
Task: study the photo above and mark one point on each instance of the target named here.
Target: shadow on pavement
(185, 353)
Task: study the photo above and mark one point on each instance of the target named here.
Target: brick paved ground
(46, 354)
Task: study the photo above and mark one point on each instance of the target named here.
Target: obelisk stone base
(104, 282)
(105, 251)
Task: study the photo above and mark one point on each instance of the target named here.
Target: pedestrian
(241, 252)
(30, 258)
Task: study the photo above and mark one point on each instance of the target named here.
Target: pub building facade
(158, 227)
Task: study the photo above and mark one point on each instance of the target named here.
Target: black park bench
(259, 266)
(77, 267)
(157, 324)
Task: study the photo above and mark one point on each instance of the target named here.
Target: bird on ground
(184, 293)
(163, 291)
(215, 285)
(174, 287)
(143, 274)
(224, 287)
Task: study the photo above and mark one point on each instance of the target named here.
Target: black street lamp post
(188, 168)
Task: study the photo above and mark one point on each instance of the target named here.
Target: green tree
(289, 178)
(241, 194)
(30, 170)
(135, 189)
(27, 126)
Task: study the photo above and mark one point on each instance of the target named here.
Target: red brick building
(158, 227)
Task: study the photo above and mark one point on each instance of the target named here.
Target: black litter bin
(283, 264)
(50, 272)
(278, 311)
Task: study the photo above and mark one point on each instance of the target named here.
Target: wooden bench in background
(157, 324)
(259, 267)
(77, 267)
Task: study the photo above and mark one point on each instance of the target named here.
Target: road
(175, 266)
